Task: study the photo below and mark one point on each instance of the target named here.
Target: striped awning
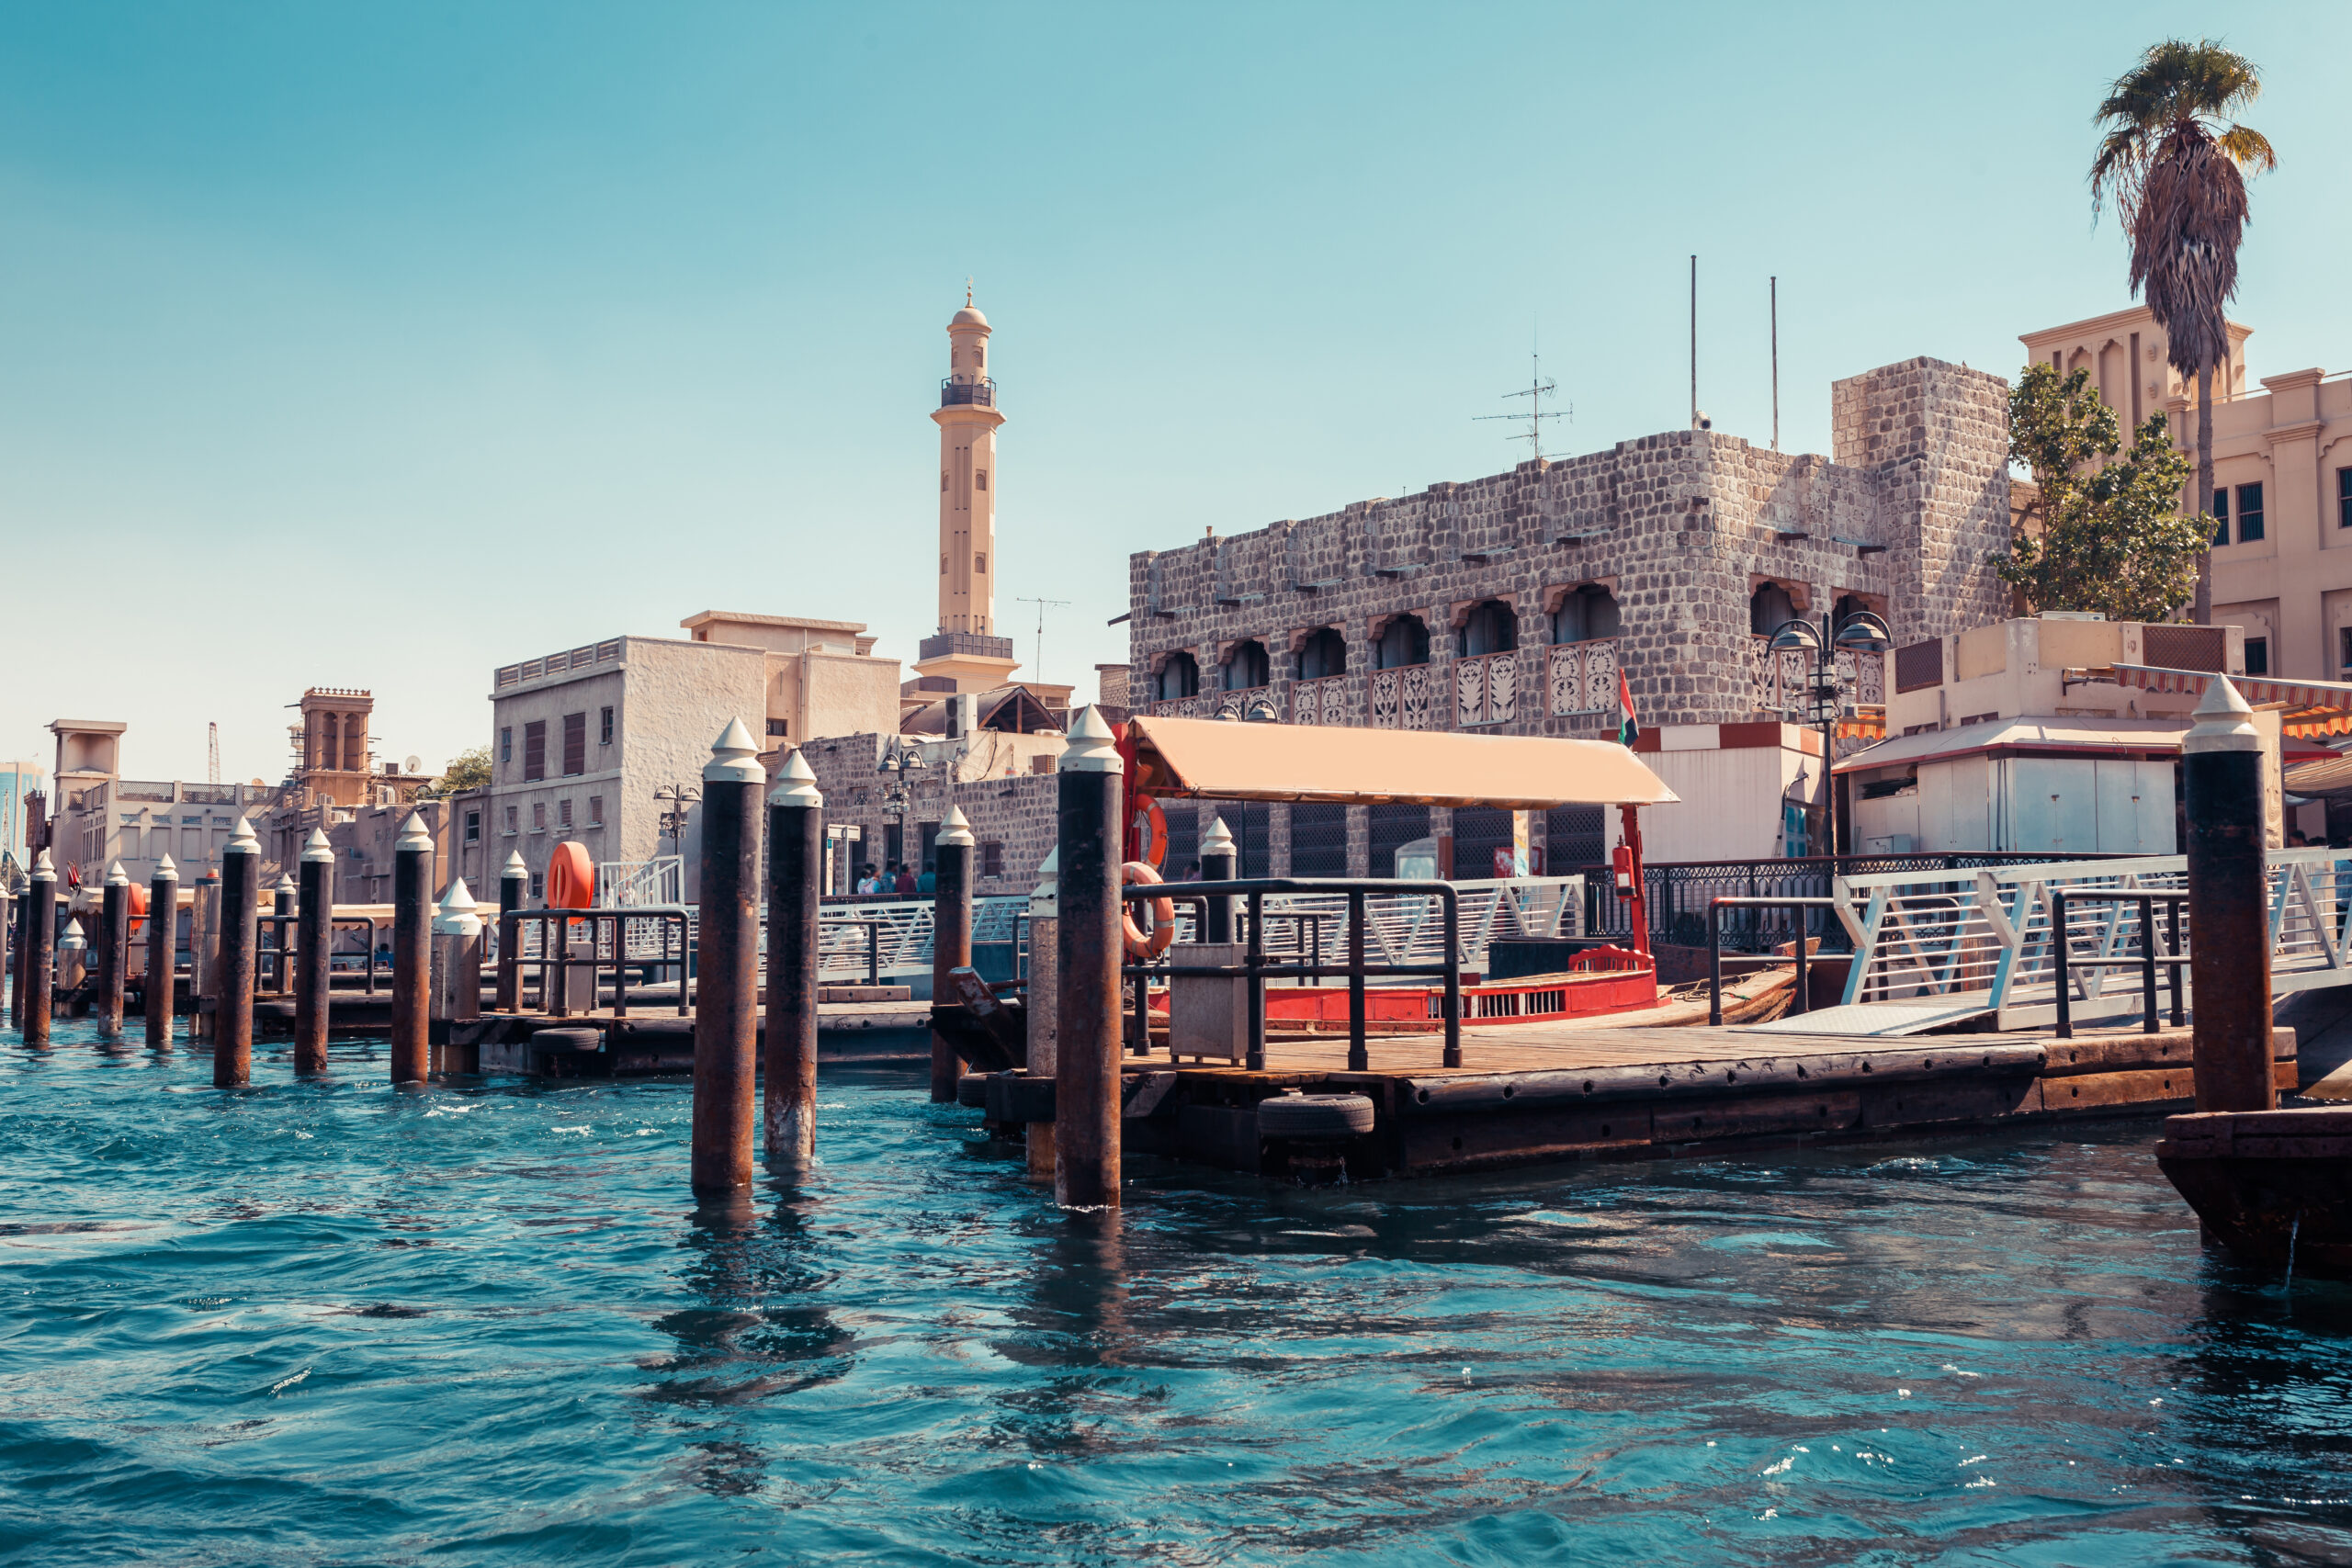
(2307, 709)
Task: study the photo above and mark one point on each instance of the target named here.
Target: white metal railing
(622, 885)
(1984, 937)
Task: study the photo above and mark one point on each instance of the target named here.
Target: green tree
(467, 770)
(2174, 160)
(2106, 532)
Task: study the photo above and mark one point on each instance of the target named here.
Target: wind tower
(966, 649)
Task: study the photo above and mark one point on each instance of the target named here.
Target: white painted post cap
(734, 756)
(165, 871)
(115, 877)
(241, 840)
(797, 785)
(956, 829)
(414, 835)
(514, 865)
(285, 883)
(1092, 748)
(1218, 840)
(74, 937)
(44, 869)
(2224, 721)
(316, 848)
(455, 915)
(1045, 898)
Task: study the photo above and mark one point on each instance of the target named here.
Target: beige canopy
(1225, 760)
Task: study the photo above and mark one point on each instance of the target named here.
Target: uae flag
(1629, 728)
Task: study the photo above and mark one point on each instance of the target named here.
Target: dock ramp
(1880, 1019)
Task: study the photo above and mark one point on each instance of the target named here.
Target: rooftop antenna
(1694, 342)
(1043, 605)
(1537, 390)
(1776, 364)
(212, 753)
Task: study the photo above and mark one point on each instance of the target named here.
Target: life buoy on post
(1163, 916)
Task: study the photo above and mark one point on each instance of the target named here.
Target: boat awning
(2043, 737)
(2307, 709)
(1225, 760)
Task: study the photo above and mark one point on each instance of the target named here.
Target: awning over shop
(1231, 760)
(2307, 709)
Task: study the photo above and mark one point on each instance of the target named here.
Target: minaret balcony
(953, 393)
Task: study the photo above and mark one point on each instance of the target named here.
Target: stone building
(1513, 603)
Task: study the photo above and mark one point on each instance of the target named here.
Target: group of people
(899, 878)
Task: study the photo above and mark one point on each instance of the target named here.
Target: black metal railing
(2171, 959)
(557, 960)
(954, 393)
(1679, 893)
(1800, 999)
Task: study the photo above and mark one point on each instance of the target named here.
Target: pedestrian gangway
(1932, 949)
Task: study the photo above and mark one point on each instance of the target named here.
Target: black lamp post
(901, 759)
(1860, 633)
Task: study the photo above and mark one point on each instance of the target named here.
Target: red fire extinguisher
(1621, 860)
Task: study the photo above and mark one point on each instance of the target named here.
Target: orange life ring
(1148, 834)
(1163, 916)
(572, 877)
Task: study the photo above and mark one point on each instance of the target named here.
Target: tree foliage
(467, 770)
(2106, 532)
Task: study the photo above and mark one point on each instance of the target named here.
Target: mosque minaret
(967, 647)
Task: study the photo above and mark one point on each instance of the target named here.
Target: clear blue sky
(379, 344)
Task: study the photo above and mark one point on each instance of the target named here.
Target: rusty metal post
(282, 936)
(162, 953)
(412, 952)
(73, 959)
(41, 951)
(1219, 857)
(114, 952)
(514, 892)
(315, 956)
(233, 1012)
(950, 940)
(457, 974)
(1089, 838)
(203, 953)
(19, 930)
(726, 959)
(2228, 914)
(1045, 987)
(795, 866)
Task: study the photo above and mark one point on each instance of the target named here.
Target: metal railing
(955, 394)
(1802, 999)
(2172, 959)
(607, 947)
(274, 961)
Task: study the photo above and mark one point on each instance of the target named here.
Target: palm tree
(2173, 159)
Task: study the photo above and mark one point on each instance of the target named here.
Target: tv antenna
(212, 753)
(1536, 390)
(1043, 605)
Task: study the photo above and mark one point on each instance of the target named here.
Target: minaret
(967, 649)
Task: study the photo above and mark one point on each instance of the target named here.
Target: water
(331, 1323)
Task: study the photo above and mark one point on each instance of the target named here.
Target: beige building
(99, 816)
(2282, 481)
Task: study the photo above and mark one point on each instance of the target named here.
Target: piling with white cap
(411, 951)
(282, 938)
(951, 939)
(1219, 858)
(232, 1010)
(727, 958)
(2229, 903)
(41, 952)
(513, 894)
(1045, 969)
(314, 952)
(1088, 841)
(457, 971)
(162, 953)
(113, 951)
(795, 869)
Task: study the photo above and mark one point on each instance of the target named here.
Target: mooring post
(796, 862)
(1218, 859)
(2228, 914)
(513, 891)
(950, 940)
(41, 951)
(233, 1013)
(113, 951)
(11, 943)
(18, 930)
(162, 953)
(282, 936)
(1045, 969)
(411, 951)
(457, 971)
(204, 954)
(727, 958)
(1088, 841)
(73, 958)
(314, 955)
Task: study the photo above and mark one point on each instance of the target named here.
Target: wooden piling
(1086, 1079)
(513, 894)
(1045, 986)
(2228, 904)
(795, 867)
(233, 1011)
(411, 951)
(314, 955)
(73, 958)
(457, 972)
(727, 964)
(114, 952)
(950, 940)
(41, 951)
(162, 953)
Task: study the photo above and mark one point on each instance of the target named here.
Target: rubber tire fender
(1315, 1116)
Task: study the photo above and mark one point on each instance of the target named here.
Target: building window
(2257, 656)
(1325, 652)
(1585, 613)
(511, 817)
(943, 489)
(992, 859)
(534, 751)
(538, 886)
(2220, 514)
(980, 564)
(778, 729)
(980, 480)
(563, 815)
(1402, 641)
(2344, 498)
(538, 816)
(596, 811)
(1247, 666)
(575, 744)
(2249, 514)
(604, 727)
(473, 826)
(1491, 627)
(506, 743)
(1179, 677)
(2344, 648)
(1770, 608)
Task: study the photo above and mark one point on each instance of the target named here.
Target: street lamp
(672, 825)
(1862, 633)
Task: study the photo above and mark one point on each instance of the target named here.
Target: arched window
(1403, 641)
(332, 748)
(1768, 608)
(1247, 666)
(1849, 605)
(1492, 627)
(1585, 613)
(1325, 652)
(1179, 677)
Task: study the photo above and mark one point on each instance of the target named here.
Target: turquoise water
(482, 1324)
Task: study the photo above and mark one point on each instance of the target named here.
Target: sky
(377, 345)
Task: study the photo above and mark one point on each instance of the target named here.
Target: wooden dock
(1533, 1093)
